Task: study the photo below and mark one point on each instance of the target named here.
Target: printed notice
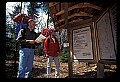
(82, 43)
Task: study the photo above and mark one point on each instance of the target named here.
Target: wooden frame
(82, 43)
(93, 40)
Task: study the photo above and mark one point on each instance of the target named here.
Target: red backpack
(21, 17)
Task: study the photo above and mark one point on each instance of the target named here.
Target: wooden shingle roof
(71, 12)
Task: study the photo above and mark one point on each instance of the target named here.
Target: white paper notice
(82, 43)
(40, 38)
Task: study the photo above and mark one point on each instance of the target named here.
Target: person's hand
(47, 55)
(31, 41)
(60, 54)
(43, 40)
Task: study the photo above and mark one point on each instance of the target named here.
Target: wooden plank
(70, 55)
(57, 8)
(100, 70)
(51, 4)
(80, 14)
(53, 10)
(79, 22)
(95, 46)
(75, 22)
(92, 6)
(76, 14)
(62, 6)
(61, 12)
(107, 62)
(70, 59)
(81, 5)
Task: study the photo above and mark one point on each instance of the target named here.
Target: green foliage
(43, 7)
(31, 9)
(64, 57)
(39, 50)
(10, 47)
(35, 7)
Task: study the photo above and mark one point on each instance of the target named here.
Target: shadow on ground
(93, 74)
(39, 72)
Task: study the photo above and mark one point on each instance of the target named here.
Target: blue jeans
(26, 57)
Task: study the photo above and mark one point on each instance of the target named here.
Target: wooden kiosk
(91, 29)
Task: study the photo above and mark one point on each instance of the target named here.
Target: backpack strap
(23, 32)
(48, 41)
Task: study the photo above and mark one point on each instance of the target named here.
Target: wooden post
(66, 26)
(100, 70)
(70, 56)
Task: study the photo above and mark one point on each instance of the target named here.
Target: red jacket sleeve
(46, 45)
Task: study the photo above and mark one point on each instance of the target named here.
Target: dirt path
(80, 69)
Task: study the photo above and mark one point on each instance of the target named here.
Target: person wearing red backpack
(52, 51)
(26, 39)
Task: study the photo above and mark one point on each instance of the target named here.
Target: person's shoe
(57, 77)
(48, 76)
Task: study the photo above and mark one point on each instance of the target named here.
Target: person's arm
(46, 47)
(58, 49)
(21, 40)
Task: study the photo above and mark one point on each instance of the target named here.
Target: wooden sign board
(82, 43)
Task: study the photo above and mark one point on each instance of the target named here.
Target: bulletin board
(113, 18)
(106, 38)
(82, 43)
